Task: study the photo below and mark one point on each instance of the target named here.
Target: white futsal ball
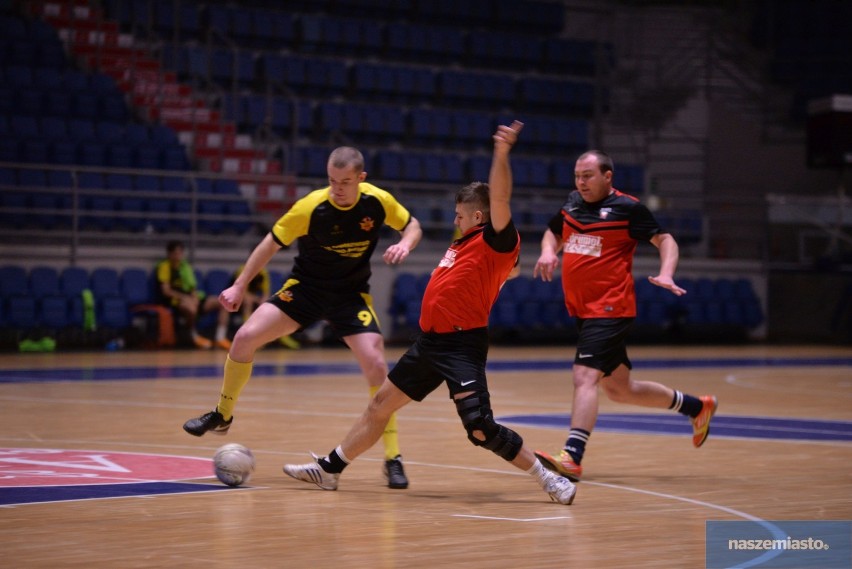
(233, 464)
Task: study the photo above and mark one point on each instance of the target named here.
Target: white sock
(220, 332)
(539, 472)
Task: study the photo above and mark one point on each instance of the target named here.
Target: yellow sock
(390, 437)
(237, 375)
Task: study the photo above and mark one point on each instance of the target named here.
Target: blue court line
(722, 425)
(300, 369)
(38, 494)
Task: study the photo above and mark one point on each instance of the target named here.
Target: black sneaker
(212, 421)
(395, 474)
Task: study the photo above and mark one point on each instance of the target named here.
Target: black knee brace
(475, 413)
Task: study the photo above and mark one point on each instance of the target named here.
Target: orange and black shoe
(563, 465)
(701, 422)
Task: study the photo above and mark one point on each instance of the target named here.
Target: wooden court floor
(114, 419)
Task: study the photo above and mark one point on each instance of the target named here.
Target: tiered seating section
(53, 113)
(42, 199)
(531, 310)
(47, 301)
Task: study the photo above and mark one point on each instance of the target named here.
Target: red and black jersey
(466, 282)
(599, 240)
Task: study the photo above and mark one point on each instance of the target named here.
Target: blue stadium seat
(53, 312)
(174, 184)
(24, 126)
(132, 212)
(121, 182)
(235, 210)
(135, 286)
(22, 312)
(104, 282)
(723, 289)
(136, 134)
(13, 281)
(388, 165)
(63, 152)
(215, 209)
(148, 157)
(215, 281)
(112, 312)
(73, 280)
(174, 158)
(82, 130)
(226, 187)
(54, 128)
(91, 154)
(146, 183)
(43, 281)
(405, 289)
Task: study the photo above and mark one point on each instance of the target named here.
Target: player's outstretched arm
(669, 255)
(411, 235)
(500, 176)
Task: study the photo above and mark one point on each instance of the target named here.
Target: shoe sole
(219, 432)
(707, 432)
(555, 466)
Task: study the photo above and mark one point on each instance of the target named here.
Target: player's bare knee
(378, 410)
(477, 419)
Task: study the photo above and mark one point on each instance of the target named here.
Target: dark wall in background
(810, 307)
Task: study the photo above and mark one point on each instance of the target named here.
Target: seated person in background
(256, 293)
(179, 290)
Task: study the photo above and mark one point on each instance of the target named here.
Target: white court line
(775, 530)
(522, 520)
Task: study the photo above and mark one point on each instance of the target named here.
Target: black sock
(686, 404)
(576, 444)
(332, 463)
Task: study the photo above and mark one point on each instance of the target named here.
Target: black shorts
(348, 313)
(458, 358)
(602, 343)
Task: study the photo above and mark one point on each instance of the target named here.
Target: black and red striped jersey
(599, 240)
(467, 280)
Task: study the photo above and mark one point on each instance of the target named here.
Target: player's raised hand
(506, 136)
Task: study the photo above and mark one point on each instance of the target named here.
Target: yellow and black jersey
(180, 279)
(335, 244)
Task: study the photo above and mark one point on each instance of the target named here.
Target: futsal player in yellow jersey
(336, 230)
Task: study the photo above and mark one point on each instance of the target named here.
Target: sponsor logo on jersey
(578, 244)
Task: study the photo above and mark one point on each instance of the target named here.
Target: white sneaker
(313, 473)
(560, 489)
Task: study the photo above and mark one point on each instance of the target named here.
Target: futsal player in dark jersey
(336, 229)
(597, 231)
(453, 345)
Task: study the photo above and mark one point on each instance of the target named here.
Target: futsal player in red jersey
(597, 230)
(453, 345)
